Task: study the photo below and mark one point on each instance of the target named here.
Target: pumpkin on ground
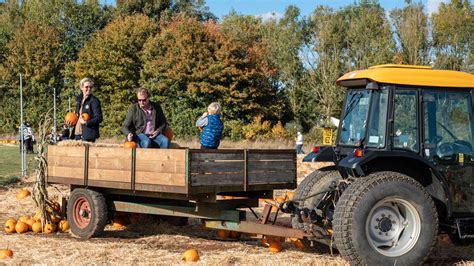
(37, 216)
(190, 255)
(30, 223)
(21, 227)
(85, 116)
(290, 195)
(299, 244)
(63, 226)
(36, 227)
(23, 219)
(49, 228)
(71, 119)
(274, 245)
(118, 222)
(22, 193)
(130, 144)
(6, 253)
(234, 234)
(10, 226)
(223, 234)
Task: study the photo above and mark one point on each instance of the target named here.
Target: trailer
(212, 185)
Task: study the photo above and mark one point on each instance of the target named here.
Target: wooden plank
(109, 175)
(111, 164)
(65, 180)
(167, 155)
(271, 165)
(109, 184)
(271, 177)
(161, 188)
(271, 156)
(169, 179)
(216, 166)
(68, 171)
(158, 166)
(237, 155)
(66, 151)
(109, 152)
(65, 161)
(217, 179)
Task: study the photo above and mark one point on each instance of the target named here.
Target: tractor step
(465, 227)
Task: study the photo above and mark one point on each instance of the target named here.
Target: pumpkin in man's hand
(85, 116)
(71, 119)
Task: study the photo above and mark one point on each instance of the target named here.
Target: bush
(233, 130)
(279, 132)
(292, 127)
(258, 129)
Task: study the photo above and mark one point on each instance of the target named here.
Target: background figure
(299, 143)
(88, 129)
(146, 122)
(212, 126)
(28, 137)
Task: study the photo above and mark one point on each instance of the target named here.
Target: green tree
(285, 39)
(33, 52)
(453, 29)
(369, 38)
(112, 59)
(411, 29)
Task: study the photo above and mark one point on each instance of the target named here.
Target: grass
(10, 164)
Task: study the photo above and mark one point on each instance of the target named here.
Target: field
(150, 241)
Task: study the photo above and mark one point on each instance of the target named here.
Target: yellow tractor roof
(409, 75)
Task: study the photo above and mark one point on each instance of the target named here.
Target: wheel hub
(385, 224)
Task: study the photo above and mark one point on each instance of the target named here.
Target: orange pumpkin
(49, 228)
(234, 234)
(223, 234)
(274, 246)
(168, 133)
(21, 227)
(298, 244)
(85, 116)
(30, 223)
(23, 219)
(36, 227)
(130, 144)
(118, 222)
(37, 216)
(190, 255)
(71, 119)
(63, 226)
(5, 253)
(55, 218)
(10, 226)
(22, 193)
(290, 195)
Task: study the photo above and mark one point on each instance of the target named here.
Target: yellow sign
(327, 136)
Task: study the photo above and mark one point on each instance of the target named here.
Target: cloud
(433, 5)
(270, 15)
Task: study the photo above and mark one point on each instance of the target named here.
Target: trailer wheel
(314, 183)
(386, 218)
(86, 213)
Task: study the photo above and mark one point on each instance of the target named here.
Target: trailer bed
(178, 171)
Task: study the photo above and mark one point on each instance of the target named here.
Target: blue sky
(265, 8)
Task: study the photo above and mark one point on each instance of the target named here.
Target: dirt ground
(152, 242)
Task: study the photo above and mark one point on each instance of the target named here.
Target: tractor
(403, 167)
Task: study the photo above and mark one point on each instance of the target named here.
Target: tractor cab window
(378, 119)
(448, 126)
(354, 118)
(405, 130)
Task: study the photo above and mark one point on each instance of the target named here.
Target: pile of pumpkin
(36, 223)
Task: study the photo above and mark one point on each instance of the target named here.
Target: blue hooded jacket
(212, 132)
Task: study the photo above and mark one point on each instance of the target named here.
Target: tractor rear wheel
(385, 218)
(86, 213)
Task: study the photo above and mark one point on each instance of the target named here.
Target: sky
(276, 8)
(272, 8)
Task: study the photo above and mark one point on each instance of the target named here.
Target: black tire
(86, 213)
(315, 182)
(386, 218)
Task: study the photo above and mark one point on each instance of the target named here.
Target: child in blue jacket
(212, 126)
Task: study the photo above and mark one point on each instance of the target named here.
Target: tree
(411, 29)
(285, 39)
(112, 59)
(369, 38)
(165, 9)
(453, 28)
(190, 64)
(33, 52)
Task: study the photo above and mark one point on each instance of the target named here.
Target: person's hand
(130, 137)
(204, 114)
(154, 134)
(82, 121)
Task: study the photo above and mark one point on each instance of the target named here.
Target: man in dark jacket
(145, 122)
(87, 129)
